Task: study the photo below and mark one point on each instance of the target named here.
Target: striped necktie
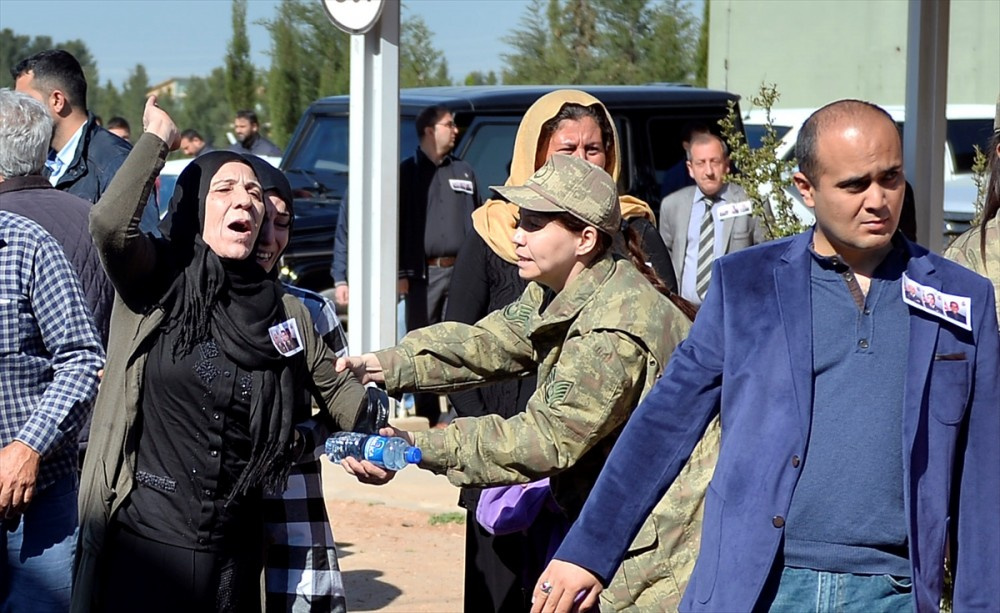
(706, 250)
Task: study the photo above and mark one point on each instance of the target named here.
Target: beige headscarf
(496, 220)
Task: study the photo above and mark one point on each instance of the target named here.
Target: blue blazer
(749, 355)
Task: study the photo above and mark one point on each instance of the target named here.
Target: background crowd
(165, 396)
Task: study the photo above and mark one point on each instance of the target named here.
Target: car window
(324, 151)
(963, 134)
(755, 133)
(487, 146)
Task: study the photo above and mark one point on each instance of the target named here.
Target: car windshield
(321, 160)
(964, 134)
(755, 134)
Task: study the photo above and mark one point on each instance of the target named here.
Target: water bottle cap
(413, 455)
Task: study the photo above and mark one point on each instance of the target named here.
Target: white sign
(354, 16)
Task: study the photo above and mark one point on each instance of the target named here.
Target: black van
(649, 119)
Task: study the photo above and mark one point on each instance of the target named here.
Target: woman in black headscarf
(195, 418)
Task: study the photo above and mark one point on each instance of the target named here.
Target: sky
(180, 38)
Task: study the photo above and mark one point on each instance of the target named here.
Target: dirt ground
(393, 559)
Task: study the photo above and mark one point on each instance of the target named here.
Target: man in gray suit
(705, 221)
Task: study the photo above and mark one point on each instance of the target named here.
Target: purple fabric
(511, 508)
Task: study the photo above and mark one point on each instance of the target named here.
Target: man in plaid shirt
(50, 354)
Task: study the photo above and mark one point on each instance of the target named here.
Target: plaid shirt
(302, 574)
(49, 348)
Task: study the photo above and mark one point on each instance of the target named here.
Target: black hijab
(233, 302)
(272, 179)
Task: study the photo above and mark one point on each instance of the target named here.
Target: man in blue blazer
(860, 433)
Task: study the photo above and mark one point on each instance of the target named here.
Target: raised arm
(128, 255)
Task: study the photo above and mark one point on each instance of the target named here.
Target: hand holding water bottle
(366, 471)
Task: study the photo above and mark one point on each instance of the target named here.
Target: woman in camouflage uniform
(599, 331)
(979, 248)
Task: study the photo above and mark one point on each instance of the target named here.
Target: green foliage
(701, 60)
(15, 47)
(133, 98)
(286, 63)
(453, 517)
(239, 69)
(109, 101)
(204, 109)
(980, 164)
(421, 64)
(476, 77)
(603, 41)
(309, 59)
(764, 176)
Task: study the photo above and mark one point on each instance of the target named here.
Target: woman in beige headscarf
(561, 122)
(500, 570)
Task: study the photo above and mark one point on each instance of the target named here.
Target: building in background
(823, 50)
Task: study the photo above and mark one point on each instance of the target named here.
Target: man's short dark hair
(805, 145)
(248, 115)
(55, 69)
(118, 122)
(191, 133)
(430, 116)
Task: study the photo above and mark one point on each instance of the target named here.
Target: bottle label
(374, 448)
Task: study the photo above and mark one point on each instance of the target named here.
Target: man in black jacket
(437, 194)
(84, 157)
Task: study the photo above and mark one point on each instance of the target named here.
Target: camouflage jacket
(599, 346)
(965, 251)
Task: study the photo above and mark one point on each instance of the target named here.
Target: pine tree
(421, 64)
(286, 61)
(239, 69)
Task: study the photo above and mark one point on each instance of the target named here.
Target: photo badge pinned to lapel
(953, 309)
(733, 209)
(285, 337)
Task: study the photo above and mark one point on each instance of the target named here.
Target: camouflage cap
(566, 184)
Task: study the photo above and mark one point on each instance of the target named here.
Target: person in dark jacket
(84, 157)
(437, 194)
(338, 267)
(248, 136)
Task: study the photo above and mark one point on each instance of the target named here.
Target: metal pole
(924, 130)
(372, 188)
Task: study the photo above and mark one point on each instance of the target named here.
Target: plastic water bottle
(392, 453)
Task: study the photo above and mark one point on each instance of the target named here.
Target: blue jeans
(36, 554)
(802, 590)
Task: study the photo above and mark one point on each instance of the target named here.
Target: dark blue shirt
(847, 512)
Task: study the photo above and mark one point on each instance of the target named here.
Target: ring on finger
(546, 587)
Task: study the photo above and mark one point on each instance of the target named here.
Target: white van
(968, 125)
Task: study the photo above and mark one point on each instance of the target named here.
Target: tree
(15, 47)
(133, 96)
(701, 60)
(476, 77)
(204, 110)
(284, 102)
(309, 58)
(239, 70)
(109, 101)
(603, 41)
(764, 176)
(421, 64)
